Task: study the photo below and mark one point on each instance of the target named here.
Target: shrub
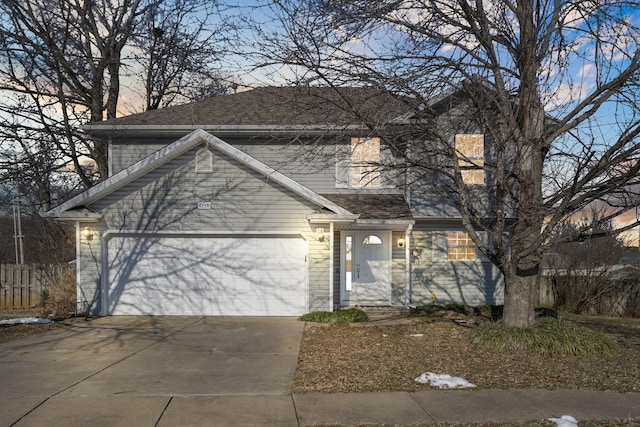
(347, 315)
(601, 296)
(59, 297)
(548, 337)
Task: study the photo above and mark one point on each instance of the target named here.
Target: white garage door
(248, 276)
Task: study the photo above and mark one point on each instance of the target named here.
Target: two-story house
(270, 202)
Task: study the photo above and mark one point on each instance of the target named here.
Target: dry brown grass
(531, 423)
(348, 358)
(13, 332)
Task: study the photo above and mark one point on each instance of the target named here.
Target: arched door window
(372, 239)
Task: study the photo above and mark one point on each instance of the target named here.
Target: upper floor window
(470, 152)
(358, 164)
(364, 170)
(460, 246)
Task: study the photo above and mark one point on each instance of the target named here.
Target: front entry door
(370, 268)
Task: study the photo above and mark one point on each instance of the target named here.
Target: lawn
(344, 357)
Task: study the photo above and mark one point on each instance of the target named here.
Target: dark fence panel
(22, 286)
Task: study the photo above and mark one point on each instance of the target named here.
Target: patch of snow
(565, 421)
(443, 381)
(25, 320)
(416, 335)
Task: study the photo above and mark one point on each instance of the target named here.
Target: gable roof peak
(174, 150)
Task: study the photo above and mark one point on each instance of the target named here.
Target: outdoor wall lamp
(401, 242)
(87, 233)
(320, 234)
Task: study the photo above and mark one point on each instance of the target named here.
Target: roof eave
(366, 221)
(72, 215)
(317, 218)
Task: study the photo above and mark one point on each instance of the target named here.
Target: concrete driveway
(136, 358)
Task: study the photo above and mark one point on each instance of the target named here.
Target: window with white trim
(470, 152)
(358, 164)
(365, 160)
(460, 246)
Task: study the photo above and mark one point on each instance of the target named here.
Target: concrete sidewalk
(396, 408)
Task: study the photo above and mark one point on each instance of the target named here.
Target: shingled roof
(373, 206)
(277, 106)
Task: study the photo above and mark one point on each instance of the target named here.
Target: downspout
(109, 157)
(407, 254)
(81, 305)
(331, 242)
(104, 279)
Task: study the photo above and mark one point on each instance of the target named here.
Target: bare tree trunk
(520, 297)
(521, 280)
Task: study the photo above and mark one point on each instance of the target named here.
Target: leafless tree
(177, 51)
(585, 267)
(553, 85)
(65, 63)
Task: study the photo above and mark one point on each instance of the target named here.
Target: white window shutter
(343, 163)
(439, 246)
(388, 175)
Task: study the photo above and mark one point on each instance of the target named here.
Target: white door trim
(350, 297)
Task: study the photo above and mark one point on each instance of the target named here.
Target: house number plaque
(204, 205)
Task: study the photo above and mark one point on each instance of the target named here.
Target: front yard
(354, 358)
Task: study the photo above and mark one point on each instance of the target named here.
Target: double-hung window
(358, 164)
(470, 153)
(460, 246)
(365, 162)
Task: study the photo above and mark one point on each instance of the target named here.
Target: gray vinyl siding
(398, 270)
(242, 200)
(470, 282)
(89, 268)
(124, 155)
(313, 166)
(314, 171)
(320, 292)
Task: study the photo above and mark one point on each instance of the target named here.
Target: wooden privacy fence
(23, 286)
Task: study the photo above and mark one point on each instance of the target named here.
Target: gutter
(72, 216)
(221, 130)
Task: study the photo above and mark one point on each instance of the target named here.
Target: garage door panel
(208, 276)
